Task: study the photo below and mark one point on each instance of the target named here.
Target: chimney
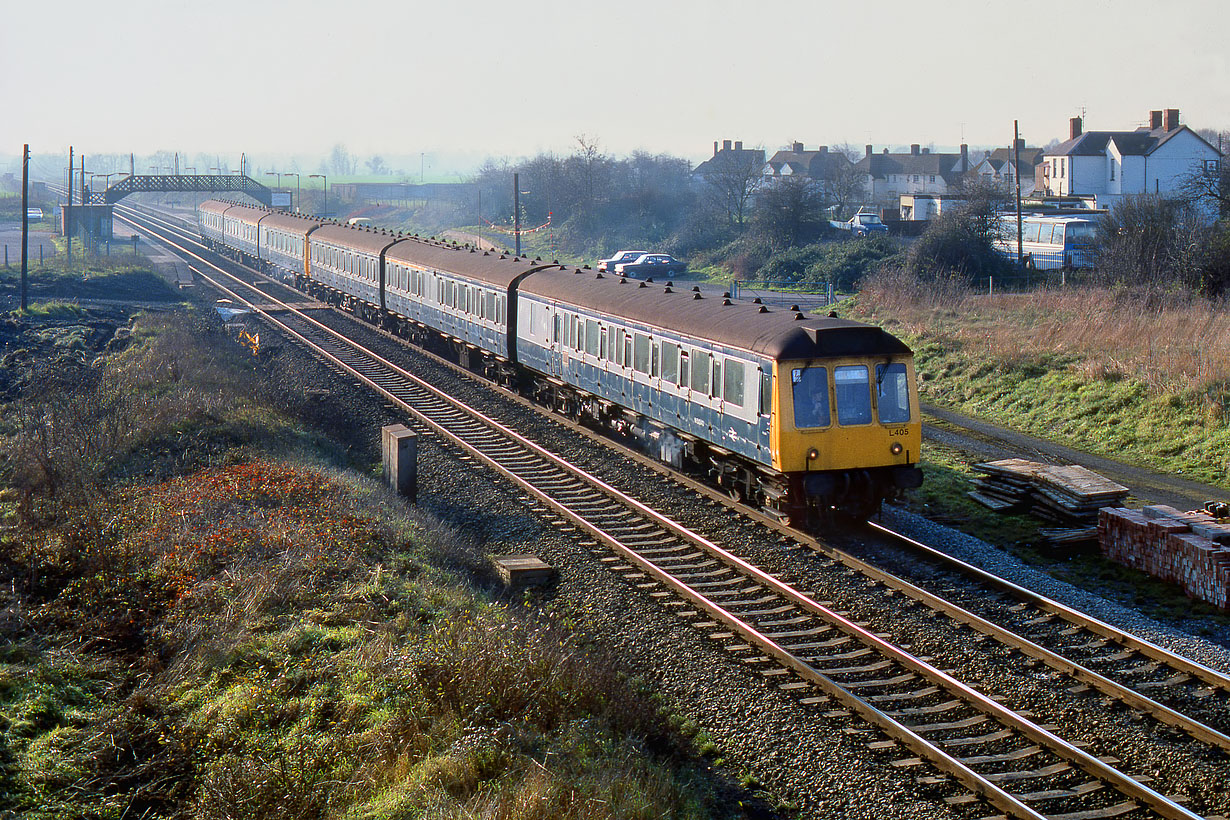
(715, 145)
(797, 148)
(725, 145)
(1155, 120)
(964, 157)
(926, 150)
(1074, 128)
(1020, 143)
(738, 145)
(868, 150)
(914, 149)
(884, 151)
(824, 149)
(1172, 119)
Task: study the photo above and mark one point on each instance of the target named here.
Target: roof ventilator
(697, 295)
(763, 309)
(799, 316)
(727, 302)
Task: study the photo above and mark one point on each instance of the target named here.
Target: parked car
(619, 258)
(34, 213)
(651, 264)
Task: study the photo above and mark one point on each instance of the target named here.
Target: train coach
(799, 416)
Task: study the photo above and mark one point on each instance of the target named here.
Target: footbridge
(186, 183)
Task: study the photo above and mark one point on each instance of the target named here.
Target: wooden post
(399, 450)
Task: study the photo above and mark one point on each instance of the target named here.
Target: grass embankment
(1141, 378)
(207, 620)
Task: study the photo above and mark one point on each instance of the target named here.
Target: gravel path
(991, 442)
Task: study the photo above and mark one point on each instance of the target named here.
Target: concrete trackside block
(523, 570)
(399, 447)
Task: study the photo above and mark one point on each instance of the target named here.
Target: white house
(1153, 159)
(886, 176)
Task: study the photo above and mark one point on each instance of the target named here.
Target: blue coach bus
(1049, 242)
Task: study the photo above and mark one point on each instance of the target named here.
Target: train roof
(290, 222)
(770, 331)
(214, 206)
(245, 213)
(495, 269)
(365, 240)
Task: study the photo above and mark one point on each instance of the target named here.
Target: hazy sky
(512, 77)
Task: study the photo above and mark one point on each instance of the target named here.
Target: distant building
(886, 176)
(820, 164)
(1000, 166)
(729, 156)
(1153, 159)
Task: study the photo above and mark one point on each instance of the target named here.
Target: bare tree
(790, 212)
(844, 184)
(376, 166)
(339, 160)
(732, 178)
(1207, 186)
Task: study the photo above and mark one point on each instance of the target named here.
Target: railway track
(1022, 768)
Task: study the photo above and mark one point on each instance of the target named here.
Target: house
(1154, 159)
(729, 157)
(1000, 165)
(821, 164)
(886, 176)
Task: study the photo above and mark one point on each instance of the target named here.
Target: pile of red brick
(1188, 548)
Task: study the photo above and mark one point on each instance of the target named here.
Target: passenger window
(853, 394)
(591, 337)
(640, 362)
(809, 388)
(700, 371)
(670, 362)
(732, 386)
(892, 393)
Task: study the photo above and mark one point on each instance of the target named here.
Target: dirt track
(989, 442)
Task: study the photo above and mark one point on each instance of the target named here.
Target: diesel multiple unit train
(799, 416)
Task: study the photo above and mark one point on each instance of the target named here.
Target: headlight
(813, 454)
(896, 448)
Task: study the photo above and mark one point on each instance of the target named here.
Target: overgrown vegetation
(1137, 375)
(206, 620)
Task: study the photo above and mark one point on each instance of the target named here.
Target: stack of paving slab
(1189, 548)
(1068, 496)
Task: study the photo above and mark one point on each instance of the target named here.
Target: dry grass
(1173, 342)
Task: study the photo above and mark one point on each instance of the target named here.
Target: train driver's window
(810, 396)
(853, 394)
(892, 393)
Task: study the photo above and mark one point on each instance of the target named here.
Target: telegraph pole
(68, 234)
(1020, 234)
(25, 220)
(517, 210)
